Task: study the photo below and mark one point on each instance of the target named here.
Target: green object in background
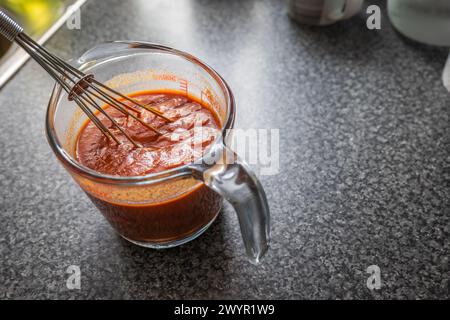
(36, 16)
(40, 19)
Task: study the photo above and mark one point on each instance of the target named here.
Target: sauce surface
(179, 142)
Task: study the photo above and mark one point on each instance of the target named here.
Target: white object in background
(426, 21)
(446, 74)
(323, 12)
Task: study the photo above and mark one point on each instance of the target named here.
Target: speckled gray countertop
(365, 164)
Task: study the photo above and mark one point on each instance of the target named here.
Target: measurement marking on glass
(184, 86)
(205, 96)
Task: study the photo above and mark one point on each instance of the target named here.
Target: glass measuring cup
(169, 208)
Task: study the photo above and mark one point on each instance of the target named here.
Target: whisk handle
(8, 27)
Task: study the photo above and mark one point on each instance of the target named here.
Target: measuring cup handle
(224, 172)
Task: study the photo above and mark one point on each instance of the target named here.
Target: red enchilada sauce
(178, 144)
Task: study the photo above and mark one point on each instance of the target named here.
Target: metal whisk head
(81, 88)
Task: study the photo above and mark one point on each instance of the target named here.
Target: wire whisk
(81, 88)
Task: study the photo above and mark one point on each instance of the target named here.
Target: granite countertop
(364, 163)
